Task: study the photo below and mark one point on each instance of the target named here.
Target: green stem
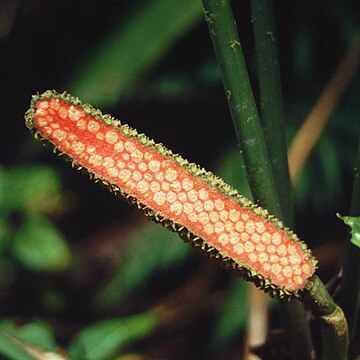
(241, 102)
(223, 32)
(331, 321)
(350, 285)
(295, 318)
(271, 106)
(250, 136)
(271, 100)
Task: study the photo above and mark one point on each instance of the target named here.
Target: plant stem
(331, 320)
(296, 323)
(241, 102)
(271, 101)
(350, 285)
(271, 105)
(250, 136)
(223, 32)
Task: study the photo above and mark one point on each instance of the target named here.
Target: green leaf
(38, 334)
(116, 64)
(151, 248)
(30, 189)
(105, 339)
(11, 349)
(38, 245)
(354, 223)
(16, 342)
(233, 315)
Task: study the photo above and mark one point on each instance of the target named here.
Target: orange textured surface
(173, 192)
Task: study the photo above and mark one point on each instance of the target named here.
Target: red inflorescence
(171, 191)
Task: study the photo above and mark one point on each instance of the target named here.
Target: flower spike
(185, 198)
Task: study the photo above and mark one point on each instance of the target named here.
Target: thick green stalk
(241, 102)
(350, 285)
(272, 117)
(271, 100)
(331, 321)
(295, 318)
(245, 117)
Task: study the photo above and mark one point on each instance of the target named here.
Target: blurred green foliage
(233, 315)
(30, 189)
(103, 340)
(28, 193)
(152, 249)
(16, 341)
(133, 48)
(354, 223)
(38, 245)
(150, 56)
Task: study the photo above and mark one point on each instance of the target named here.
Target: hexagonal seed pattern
(174, 192)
